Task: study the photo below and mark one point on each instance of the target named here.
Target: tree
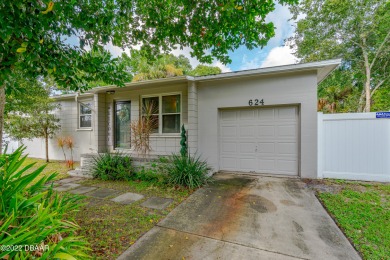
(34, 36)
(202, 70)
(163, 66)
(381, 99)
(339, 93)
(358, 31)
(32, 116)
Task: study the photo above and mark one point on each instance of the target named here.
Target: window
(85, 115)
(166, 109)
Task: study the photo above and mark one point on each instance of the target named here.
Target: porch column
(99, 122)
(192, 127)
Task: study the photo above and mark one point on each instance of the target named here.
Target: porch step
(80, 172)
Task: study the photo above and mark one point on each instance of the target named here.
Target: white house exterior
(255, 121)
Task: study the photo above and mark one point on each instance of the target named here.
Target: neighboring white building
(261, 121)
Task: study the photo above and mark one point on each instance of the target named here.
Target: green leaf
(64, 256)
(20, 50)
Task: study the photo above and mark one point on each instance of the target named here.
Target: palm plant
(31, 214)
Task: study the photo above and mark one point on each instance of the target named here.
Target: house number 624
(256, 102)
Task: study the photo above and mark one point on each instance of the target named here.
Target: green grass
(362, 210)
(53, 166)
(111, 228)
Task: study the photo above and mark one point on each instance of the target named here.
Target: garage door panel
(228, 147)
(266, 148)
(248, 164)
(287, 166)
(263, 140)
(287, 131)
(229, 131)
(286, 148)
(249, 147)
(229, 163)
(287, 113)
(266, 131)
(229, 115)
(247, 115)
(266, 114)
(266, 165)
(247, 131)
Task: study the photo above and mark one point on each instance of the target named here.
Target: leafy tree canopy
(33, 33)
(31, 92)
(162, 66)
(202, 70)
(36, 35)
(358, 31)
(29, 114)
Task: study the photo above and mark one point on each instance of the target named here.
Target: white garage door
(261, 140)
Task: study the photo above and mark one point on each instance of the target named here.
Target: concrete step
(81, 173)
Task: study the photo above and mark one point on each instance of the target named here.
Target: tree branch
(377, 86)
(379, 50)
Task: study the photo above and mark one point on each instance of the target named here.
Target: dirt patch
(237, 182)
(232, 206)
(322, 186)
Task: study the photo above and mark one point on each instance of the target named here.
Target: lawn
(53, 166)
(362, 210)
(111, 228)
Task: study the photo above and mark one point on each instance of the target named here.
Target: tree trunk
(47, 147)
(367, 87)
(360, 104)
(367, 84)
(2, 108)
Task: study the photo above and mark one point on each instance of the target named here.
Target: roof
(323, 69)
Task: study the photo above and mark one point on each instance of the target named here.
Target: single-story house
(254, 121)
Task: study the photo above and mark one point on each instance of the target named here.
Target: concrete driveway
(242, 217)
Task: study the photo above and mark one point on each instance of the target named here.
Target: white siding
(354, 146)
(160, 144)
(298, 89)
(84, 140)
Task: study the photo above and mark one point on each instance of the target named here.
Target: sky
(274, 54)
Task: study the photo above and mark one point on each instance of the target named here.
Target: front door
(122, 124)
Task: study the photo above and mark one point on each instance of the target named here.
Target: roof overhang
(142, 84)
(322, 68)
(71, 96)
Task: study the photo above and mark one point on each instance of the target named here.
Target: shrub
(114, 166)
(155, 173)
(187, 171)
(149, 175)
(31, 214)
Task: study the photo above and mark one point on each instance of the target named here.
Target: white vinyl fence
(354, 146)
